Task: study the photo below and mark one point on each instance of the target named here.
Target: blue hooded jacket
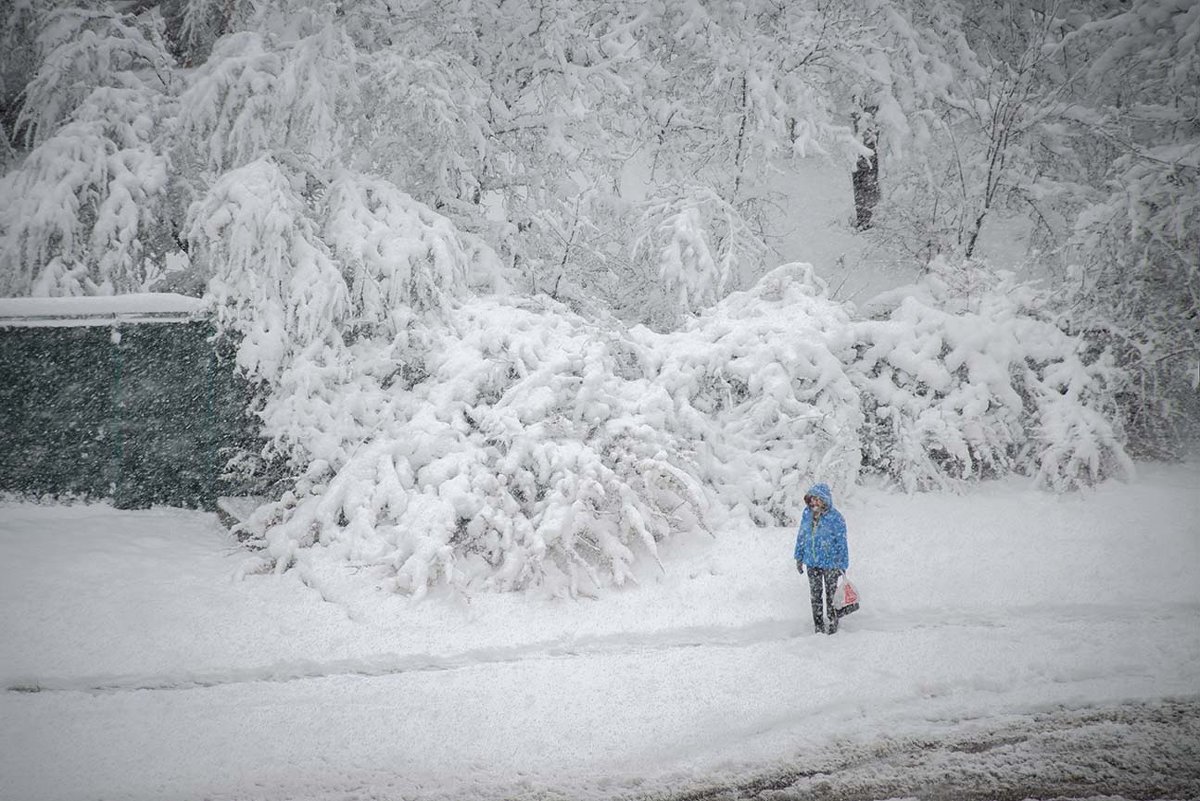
(826, 547)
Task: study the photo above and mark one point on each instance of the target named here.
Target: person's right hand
(800, 567)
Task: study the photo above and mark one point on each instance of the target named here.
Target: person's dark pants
(822, 584)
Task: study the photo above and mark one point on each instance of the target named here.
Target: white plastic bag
(845, 598)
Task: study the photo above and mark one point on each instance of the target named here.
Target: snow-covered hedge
(507, 443)
(760, 387)
(958, 387)
(511, 444)
(442, 437)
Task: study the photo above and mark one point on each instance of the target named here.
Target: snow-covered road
(1131, 750)
(1049, 648)
(671, 712)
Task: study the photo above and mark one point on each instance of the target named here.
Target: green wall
(142, 413)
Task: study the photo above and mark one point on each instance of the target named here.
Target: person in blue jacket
(821, 546)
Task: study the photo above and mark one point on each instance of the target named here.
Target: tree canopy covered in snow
(507, 274)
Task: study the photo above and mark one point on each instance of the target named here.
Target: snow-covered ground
(135, 665)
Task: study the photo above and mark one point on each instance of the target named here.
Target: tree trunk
(866, 172)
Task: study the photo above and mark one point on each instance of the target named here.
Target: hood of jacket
(821, 491)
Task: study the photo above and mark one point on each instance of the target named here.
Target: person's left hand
(800, 567)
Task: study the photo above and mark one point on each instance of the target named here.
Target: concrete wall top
(99, 310)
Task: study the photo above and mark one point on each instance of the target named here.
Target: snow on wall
(98, 309)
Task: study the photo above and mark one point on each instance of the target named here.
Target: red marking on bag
(851, 594)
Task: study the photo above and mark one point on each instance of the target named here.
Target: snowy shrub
(500, 443)
(273, 280)
(503, 444)
(511, 444)
(1137, 289)
(302, 271)
(1078, 435)
(486, 442)
(761, 390)
(959, 388)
